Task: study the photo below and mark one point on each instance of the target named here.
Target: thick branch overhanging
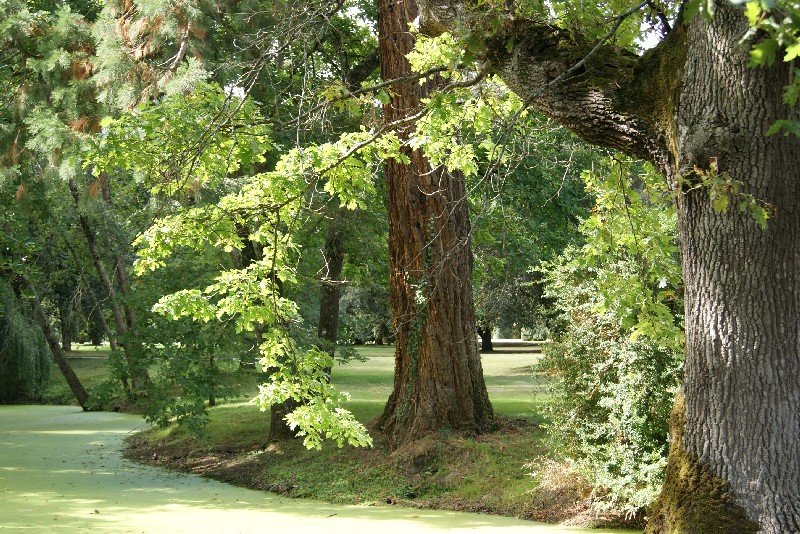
(615, 99)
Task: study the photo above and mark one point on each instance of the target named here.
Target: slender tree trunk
(242, 258)
(139, 373)
(112, 340)
(66, 318)
(124, 283)
(278, 429)
(331, 286)
(140, 377)
(735, 455)
(328, 326)
(59, 356)
(438, 378)
(212, 397)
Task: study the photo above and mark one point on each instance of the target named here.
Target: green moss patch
(693, 500)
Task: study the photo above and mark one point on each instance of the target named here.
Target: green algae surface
(61, 471)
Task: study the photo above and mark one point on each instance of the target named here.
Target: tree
(24, 356)
(525, 215)
(24, 263)
(694, 108)
(438, 378)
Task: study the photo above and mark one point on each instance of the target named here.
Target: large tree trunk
(692, 102)
(438, 380)
(735, 454)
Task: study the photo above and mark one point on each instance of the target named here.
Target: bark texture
(742, 371)
(438, 380)
(692, 103)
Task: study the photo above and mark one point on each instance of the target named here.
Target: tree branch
(606, 95)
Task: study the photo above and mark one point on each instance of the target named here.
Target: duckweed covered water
(61, 471)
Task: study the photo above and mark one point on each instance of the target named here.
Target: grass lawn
(90, 363)
(513, 389)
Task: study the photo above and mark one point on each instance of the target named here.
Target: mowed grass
(514, 390)
(92, 366)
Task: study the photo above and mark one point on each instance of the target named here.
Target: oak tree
(694, 108)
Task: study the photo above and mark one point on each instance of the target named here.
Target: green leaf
(760, 214)
(792, 51)
(721, 202)
(788, 127)
(764, 53)
(753, 12)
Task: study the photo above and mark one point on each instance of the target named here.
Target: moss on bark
(693, 500)
(654, 94)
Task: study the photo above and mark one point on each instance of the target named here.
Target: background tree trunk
(278, 429)
(328, 326)
(97, 309)
(66, 319)
(74, 383)
(735, 452)
(106, 282)
(486, 339)
(438, 378)
(331, 286)
(134, 350)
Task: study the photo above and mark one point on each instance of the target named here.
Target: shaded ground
(61, 471)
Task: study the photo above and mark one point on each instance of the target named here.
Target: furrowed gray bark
(692, 103)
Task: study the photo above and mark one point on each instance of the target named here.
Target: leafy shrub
(611, 408)
(617, 359)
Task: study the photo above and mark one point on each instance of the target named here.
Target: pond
(61, 471)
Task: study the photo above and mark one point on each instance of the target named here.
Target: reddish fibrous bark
(438, 380)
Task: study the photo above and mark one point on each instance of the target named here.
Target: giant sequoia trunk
(438, 380)
(692, 107)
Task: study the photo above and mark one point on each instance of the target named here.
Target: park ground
(514, 471)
